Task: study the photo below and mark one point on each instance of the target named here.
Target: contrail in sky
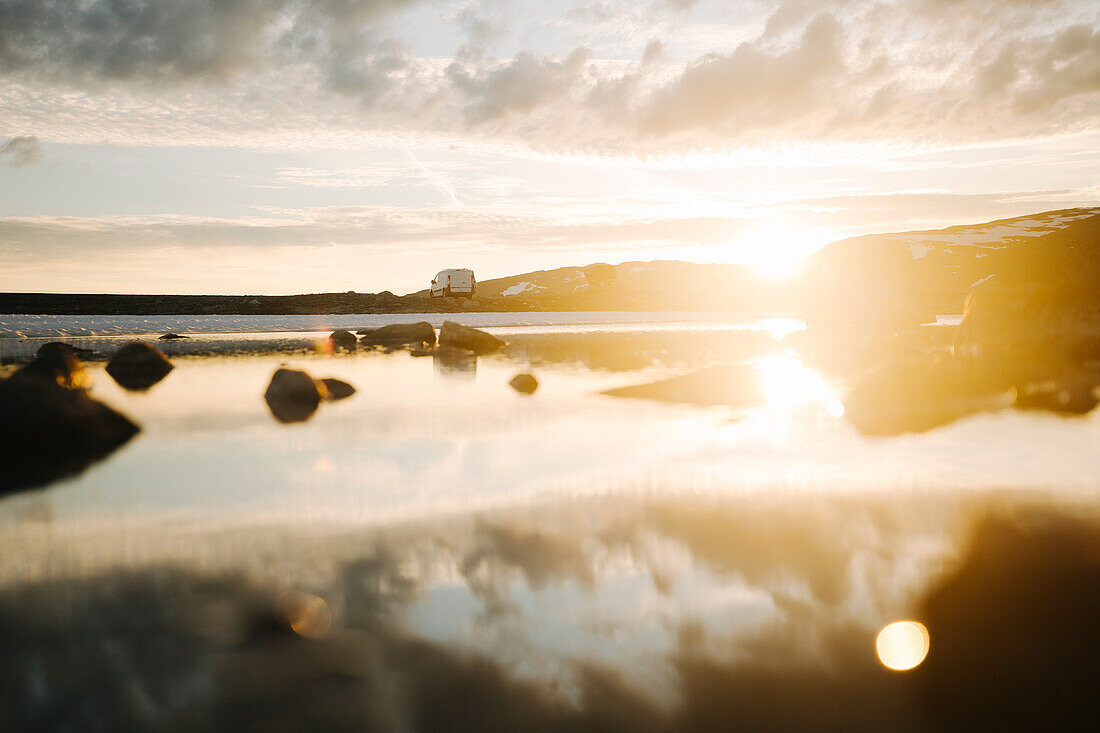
(435, 180)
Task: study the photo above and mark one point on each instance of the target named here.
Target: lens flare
(305, 614)
(902, 645)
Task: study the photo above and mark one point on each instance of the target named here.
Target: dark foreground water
(439, 552)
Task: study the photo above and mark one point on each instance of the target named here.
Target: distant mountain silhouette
(891, 279)
(898, 277)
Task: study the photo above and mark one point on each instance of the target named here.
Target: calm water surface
(592, 560)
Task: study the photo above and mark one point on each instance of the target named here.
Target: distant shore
(331, 304)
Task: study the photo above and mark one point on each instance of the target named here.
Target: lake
(440, 552)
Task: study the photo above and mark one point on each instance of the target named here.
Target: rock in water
(49, 432)
(400, 333)
(171, 337)
(62, 346)
(138, 366)
(293, 395)
(1030, 329)
(524, 383)
(343, 339)
(464, 337)
(57, 364)
(337, 389)
(1069, 397)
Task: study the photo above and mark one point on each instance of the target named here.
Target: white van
(453, 282)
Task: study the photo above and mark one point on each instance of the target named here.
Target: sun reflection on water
(780, 328)
(787, 383)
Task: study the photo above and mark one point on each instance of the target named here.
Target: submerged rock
(734, 386)
(464, 337)
(337, 389)
(917, 395)
(293, 395)
(138, 366)
(400, 333)
(451, 360)
(49, 431)
(524, 383)
(343, 339)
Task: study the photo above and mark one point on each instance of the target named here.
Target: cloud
(523, 85)
(292, 72)
(152, 39)
(163, 42)
(750, 88)
(21, 151)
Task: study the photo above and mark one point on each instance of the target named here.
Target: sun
(778, 249)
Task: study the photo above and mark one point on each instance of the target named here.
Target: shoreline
(352, 303)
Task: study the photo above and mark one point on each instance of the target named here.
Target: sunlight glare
(780, 328)
(787, 383)
(777, 249)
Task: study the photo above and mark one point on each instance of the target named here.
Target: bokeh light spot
(305, 614)
(902, 645)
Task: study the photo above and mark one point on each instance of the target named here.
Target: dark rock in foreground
(524, 383)
(293, 395)
(1014, 639)
(337, 389)
(138, 366)
(48, 431)
(400, 333)
(464, 337)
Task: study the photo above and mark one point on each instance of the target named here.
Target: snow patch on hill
(522, 287)
(987, 237)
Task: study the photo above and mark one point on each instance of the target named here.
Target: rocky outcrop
(1031, 325)
(524, 383)
(49, 431)
(399, 334)
(138, 366)
(293, 395)
(171, 337)
(463, 337)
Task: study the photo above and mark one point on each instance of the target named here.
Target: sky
(291, 146)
